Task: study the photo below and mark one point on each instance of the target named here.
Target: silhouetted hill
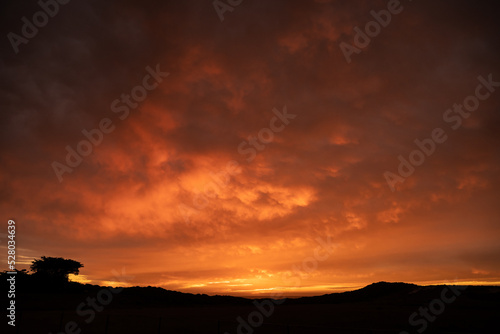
(138, 297)
(381, 307)
(369, 292)
(153, 296)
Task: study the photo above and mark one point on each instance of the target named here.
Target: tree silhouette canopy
(55, 267)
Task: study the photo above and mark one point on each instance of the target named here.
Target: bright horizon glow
(292, 292)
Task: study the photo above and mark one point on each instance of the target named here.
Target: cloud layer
(190, 193)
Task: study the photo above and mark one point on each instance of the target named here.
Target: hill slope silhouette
(381, 307)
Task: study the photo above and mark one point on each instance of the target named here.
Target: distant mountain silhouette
(50, 276)
(157, 297)
(372, 291)
(381, 307)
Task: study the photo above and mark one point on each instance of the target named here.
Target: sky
(263, 147)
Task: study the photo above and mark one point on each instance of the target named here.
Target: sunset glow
(257, 165)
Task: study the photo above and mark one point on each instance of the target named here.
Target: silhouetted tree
(55, 269)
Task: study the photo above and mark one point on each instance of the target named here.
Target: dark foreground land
(378, 308)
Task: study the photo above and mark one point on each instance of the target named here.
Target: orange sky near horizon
(258, 164)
